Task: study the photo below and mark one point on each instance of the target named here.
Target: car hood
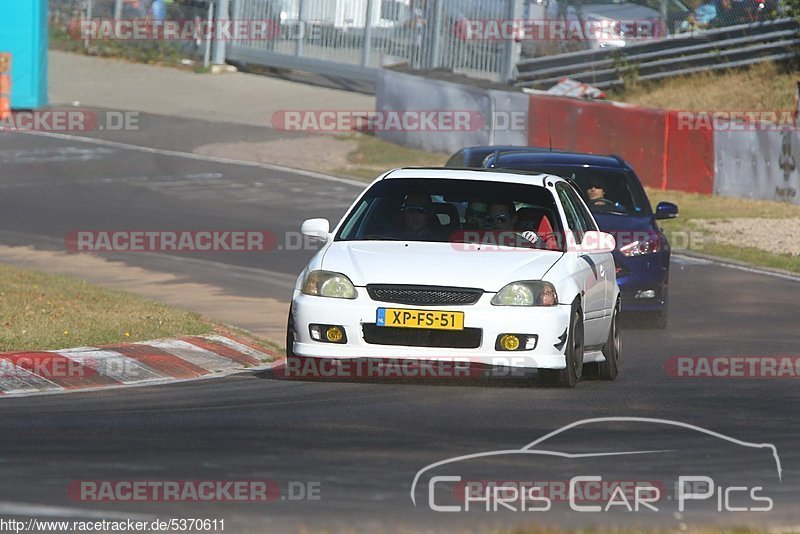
(435, 264)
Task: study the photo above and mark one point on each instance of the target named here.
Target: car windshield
(451, 210)
(621, 191)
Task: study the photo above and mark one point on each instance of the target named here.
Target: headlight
(329, 284)
(642, 246)
(528, 293)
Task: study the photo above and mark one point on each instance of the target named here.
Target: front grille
(468, 338)
(424, 295)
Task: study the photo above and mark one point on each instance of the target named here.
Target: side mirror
(666, 210)
(316, 229)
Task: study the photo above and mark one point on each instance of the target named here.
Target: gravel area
(779, 236)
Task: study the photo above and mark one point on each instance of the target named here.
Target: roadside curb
(129, 364)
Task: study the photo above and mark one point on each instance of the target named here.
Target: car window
(413, 209)
(572, 213)
(456, 160)
(583, 213)
(622, 187)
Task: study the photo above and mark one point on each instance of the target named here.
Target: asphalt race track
(362, 444)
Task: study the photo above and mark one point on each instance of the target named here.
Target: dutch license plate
(436, 320)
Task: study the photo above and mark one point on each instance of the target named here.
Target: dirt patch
(319, 153)
(263, 317)
(779, 236)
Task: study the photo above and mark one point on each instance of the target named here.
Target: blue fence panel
(23, 32)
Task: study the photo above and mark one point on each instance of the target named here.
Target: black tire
(612, 350)
(573, 372)
(290, 335)
(293, 362)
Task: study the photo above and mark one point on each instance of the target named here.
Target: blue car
(472, 157)
(620, 206)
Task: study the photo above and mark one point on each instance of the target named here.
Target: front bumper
(642, 274)
(550, 324)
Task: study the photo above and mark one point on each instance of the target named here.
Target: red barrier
(663, 157)
(690, 157)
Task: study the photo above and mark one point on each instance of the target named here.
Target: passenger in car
(475, 215)
(501, 216)
(536, 220)
(418, 218)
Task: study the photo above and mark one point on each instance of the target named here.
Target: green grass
(694, 206)
(764, 86)
(42, 311)
(374, 156)
(697, 206)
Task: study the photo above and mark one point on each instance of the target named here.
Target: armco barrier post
(5, 85)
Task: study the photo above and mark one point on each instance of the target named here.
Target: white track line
(746, 268)
(35, 510)
(198, 157)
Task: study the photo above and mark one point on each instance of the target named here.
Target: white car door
(602, 257)
(591, 269)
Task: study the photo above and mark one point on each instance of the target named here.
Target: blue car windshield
(622, 193)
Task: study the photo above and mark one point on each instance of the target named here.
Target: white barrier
(503, 116)
(757, 164)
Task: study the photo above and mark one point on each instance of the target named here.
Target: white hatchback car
(493, 268)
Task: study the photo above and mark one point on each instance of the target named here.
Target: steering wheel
(603, 202)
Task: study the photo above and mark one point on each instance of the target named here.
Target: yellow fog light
(334, 334)
(509, 342)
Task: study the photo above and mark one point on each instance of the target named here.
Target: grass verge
(694, 206)
(373, 156)
(765, 86)
(41, 311)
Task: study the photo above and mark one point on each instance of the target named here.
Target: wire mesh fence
(375, 33)
(481, 38)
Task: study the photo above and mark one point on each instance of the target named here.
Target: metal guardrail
(704, 50)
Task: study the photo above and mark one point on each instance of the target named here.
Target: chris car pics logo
(450, 485)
